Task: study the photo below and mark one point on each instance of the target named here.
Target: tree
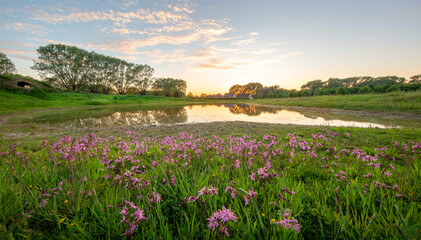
(252, 88)
(312, 85)
(65, 66)
(415, 79)
(236, 89)
(365, 89)
(170, 87)
(142, 77)
(6, 65)
(342, 91)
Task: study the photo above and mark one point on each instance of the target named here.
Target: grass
(80, 188)
(13, 102)
(408, 102)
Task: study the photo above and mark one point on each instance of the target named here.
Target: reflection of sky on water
(198, 114)
(212, 113)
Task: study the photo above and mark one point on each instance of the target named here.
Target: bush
(393, 88)
(342, 91)
(365, 89)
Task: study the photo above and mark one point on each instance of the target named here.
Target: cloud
(180, 9)
(22, 26)
(208, 31)
(23, 57)
(245, 42)
(276, 43)
(124, 31)
(130, 3)
(119, 18)
(18, 53)
(218, 65)
(14, 43)
(218, 58)
(59, 42)
(176, 34)
(129, 58)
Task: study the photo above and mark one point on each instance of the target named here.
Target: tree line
(333, 86)
(74, 69)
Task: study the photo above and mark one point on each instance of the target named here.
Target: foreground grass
(409, 102)
(342, 183)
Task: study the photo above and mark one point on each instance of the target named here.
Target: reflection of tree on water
(250, 110)
(167, 116)
(170, 116)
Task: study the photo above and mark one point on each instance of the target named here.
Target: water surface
(131, 116)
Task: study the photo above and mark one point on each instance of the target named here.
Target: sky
(214, 44)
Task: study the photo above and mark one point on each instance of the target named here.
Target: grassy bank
(316, 183)
(12, 102)
(409, 102)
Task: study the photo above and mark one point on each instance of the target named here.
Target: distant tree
(312, 85)
(365, 89)
(252, 88)
(6, 65)
(236, 89)
(342, 91)
(170, 87)
(190, 95)
(415, 79)
(305, 93)
(65, 66)
(142, 77)
(203, 95)
(393, 88)
(293, 93)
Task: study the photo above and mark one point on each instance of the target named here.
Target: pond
(130, 116)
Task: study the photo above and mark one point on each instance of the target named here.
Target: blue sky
(214, 44)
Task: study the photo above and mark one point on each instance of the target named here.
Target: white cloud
(207, 30)
(253, 33)
(14, 43)
(218, 58)
(23, 26)
(19, 53)
(245, 42)
(16, 51)
(276, 43)
(43, 40)
(119, 18)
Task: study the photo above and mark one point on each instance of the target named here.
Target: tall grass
(332, 183)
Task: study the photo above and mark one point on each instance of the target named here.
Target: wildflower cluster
(131, 215)
(289, 223)
(220, 219)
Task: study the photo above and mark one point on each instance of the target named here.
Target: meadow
(296, 183)
(405, 102)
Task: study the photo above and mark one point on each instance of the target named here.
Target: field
(408, 102)
(298, 182)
